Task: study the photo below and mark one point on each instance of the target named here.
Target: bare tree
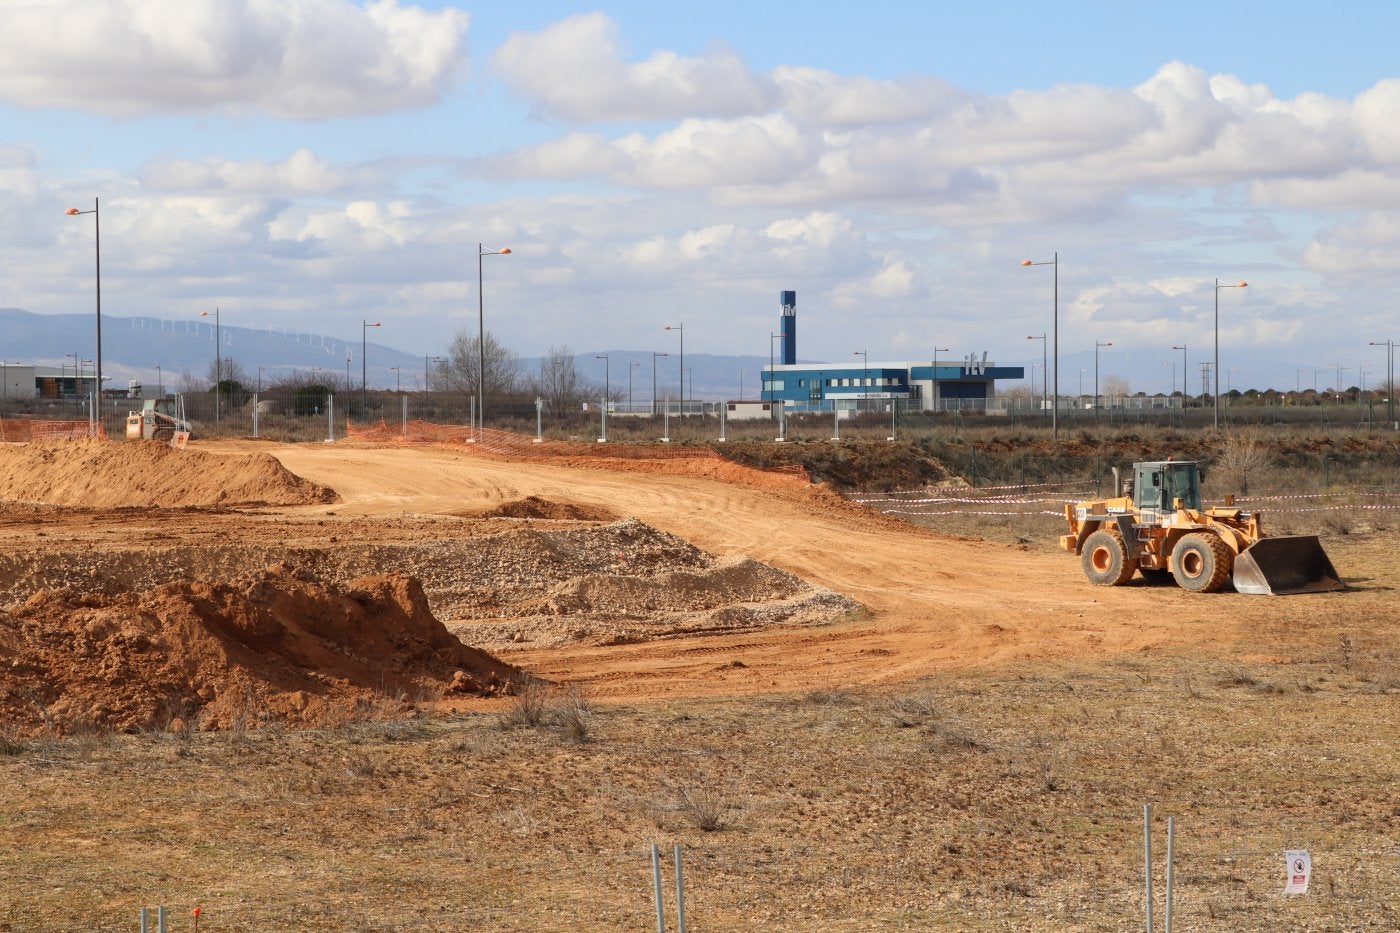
(1115, 387)
(464, 359)
(558, 381)
(229, 371)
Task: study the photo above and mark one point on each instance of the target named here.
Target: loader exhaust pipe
(1284, 566)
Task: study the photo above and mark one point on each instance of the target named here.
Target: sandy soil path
(935, 601)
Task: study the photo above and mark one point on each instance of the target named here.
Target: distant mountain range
(133, 348)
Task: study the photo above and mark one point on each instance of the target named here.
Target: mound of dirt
(275, 646)
(100, 473)
(535, 507)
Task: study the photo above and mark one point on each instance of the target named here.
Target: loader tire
(1105, 560)
(1202, 563)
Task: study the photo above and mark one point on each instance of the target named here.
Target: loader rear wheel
(1201, 563)
(1105, 560)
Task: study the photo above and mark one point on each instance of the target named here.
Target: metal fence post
(1147, 857)
(330, 418)
(656, 885)
(145, 920)
(255, 414)
(160, 920)
(680, 892)
(1171, 843)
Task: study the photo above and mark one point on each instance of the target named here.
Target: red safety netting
(22, 430)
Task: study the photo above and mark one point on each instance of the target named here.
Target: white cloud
(304, 59)
(302, 173)
(573, 69)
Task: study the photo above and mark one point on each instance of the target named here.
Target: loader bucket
(1285, 565)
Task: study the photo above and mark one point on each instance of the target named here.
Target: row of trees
(557, 380)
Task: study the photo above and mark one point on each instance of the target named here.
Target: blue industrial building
(868, 385)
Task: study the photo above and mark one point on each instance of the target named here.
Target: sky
(323, 163)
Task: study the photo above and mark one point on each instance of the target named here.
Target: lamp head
(1027, 262)
(72, 210)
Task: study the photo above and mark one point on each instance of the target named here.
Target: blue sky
(323, 162)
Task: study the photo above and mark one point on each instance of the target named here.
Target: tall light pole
(1185, 371)
(680, 330)
(1044, 374)
(607, 375)
(630, 366)
(364, 365)
(1218, 286)
(864, 384)
(742, 374)
(218, 360)
(427, 379)
(348, 383)
(1055, 411)
(397, 380)
(934, 381)
(1097, 345)
(97, 253)
(1389, 376)
(654, 355)
(481, 334)
(771, 366)
(160, 383)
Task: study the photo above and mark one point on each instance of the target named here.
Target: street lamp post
(654, 355)
(1097, 345)
(1218, 287)
(742, 374)
(864, 383)
(933, 383)
(160, 383)
(260, 372)
(772, 362)
(1055, 411)
(680, 331)
(427, 380)
(630, 366)
(481, 335)
(97, 253)
(397, 381)
(1185, 372)
(607, 389)
(1389, 377)
(1044, 359)
(218, 360)
(364, 365)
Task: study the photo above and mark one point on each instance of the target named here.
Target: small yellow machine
(1159, 529)
(158, 419)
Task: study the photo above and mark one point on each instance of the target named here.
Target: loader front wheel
(1105, 560)
(1201, 563)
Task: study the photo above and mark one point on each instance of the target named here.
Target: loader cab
(1159, 484)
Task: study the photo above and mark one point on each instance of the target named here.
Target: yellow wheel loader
(1158, 529)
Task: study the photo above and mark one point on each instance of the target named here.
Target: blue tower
(788, 324)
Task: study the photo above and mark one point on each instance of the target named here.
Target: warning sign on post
(1299, 871)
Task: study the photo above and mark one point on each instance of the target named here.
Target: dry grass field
(970, 749)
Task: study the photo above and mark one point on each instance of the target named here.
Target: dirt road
(934, 601)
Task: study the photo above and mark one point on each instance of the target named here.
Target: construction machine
(159, 419)
(1158, 529)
